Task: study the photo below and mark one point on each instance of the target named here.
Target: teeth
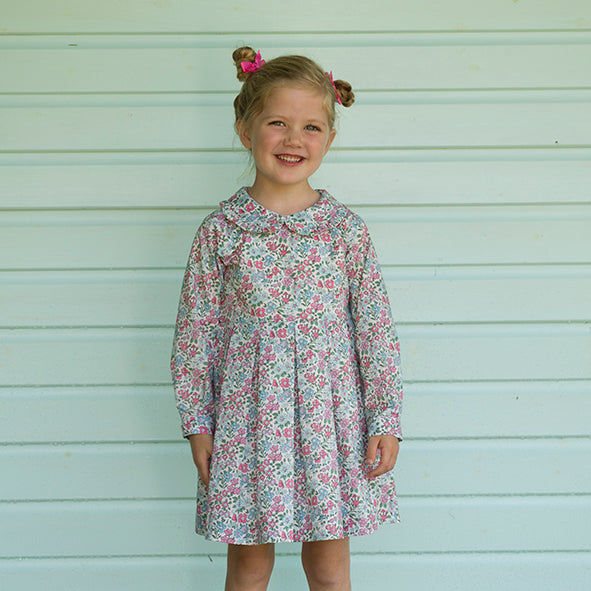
(287, 158)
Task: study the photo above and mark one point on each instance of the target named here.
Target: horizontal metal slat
(522, 571)
(421, 236)
(355, 178)
(165, 470)
(137, 16)
(193, 66)
(430, 353)
(149, 298)
(136, 128)
(140, 528)
(431, 410)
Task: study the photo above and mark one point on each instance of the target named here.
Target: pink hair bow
(329, 74)
(253, 66)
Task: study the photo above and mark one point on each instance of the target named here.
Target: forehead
(296, 101)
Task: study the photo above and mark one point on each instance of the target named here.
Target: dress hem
(319, 538)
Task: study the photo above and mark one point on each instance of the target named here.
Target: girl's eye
(277, 123)
(312, 127)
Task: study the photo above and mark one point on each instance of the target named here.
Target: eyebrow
(278, 116)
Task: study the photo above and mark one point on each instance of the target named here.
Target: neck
(284, 200)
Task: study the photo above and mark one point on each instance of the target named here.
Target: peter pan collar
(251, 216)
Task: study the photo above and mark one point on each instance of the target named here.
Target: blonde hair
(287, 70)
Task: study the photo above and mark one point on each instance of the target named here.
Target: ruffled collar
(251, 216)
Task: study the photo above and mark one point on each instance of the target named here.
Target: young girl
(285, 360)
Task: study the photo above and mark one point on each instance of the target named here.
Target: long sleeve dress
(286, 352)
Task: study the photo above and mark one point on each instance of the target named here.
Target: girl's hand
(388, 446)
(201, 448)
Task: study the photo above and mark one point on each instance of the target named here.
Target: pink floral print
(286, 351)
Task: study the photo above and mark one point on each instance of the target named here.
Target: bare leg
(327, 565)
(249, 567)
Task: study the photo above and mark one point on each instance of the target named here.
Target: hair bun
(243, 54)
(344, 92)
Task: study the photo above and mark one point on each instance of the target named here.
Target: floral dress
(286, 352)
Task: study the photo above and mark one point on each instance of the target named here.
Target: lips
(289, 158)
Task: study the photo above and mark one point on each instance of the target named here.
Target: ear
(244, 134)
(331, 137)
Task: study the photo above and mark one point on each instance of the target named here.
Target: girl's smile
(288, 141)
(289, 159)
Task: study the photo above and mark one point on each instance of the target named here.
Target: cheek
(265, 140)
(322, 145)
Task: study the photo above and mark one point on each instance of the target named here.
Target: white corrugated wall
(468, 153)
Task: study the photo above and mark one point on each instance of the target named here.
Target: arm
(377, 349)
(195, 345)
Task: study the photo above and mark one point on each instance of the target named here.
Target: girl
(285, 360)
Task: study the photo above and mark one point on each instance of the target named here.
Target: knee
(250, 565)
(254, 570)
(325, 576)
(327, 570)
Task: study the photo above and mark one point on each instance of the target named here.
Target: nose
(293, 137)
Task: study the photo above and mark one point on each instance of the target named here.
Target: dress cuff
(387, 423)
(192, 425)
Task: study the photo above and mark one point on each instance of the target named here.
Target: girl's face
(288, 139)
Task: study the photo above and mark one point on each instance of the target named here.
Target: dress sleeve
(195, 339)
(376, 341)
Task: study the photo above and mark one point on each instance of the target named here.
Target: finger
(395, 453)
(203, 474)
(372, 449)
(202, 464)
(388, 454)
(381, 468)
